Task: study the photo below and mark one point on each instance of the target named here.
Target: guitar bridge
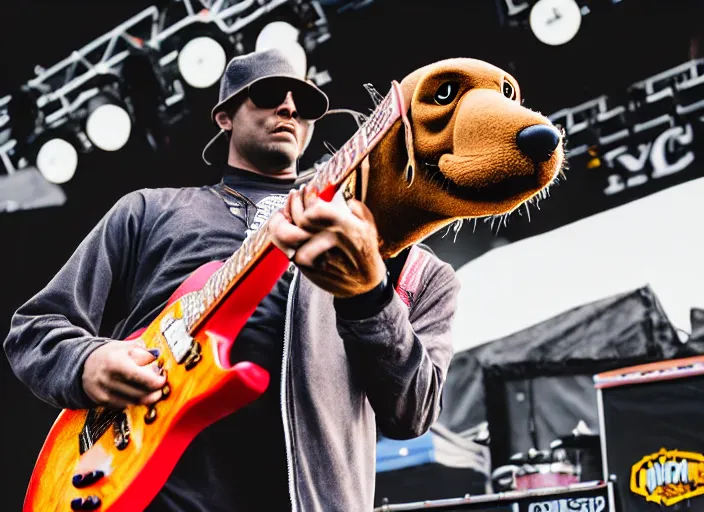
(121, 431)
(193, 356)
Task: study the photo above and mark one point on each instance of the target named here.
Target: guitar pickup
(179, 340)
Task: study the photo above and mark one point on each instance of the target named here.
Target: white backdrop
(657, 240)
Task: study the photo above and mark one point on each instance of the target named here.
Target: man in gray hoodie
(346, 354)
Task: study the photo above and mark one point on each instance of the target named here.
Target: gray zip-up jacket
(341, 378)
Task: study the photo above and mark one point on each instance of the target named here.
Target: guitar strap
(409, 281)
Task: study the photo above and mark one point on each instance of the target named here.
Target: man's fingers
(143, 356)
(324, 214)
(137, 342)
(297, 207)
(285, 235)
(286, 210)
(145, 377)
(310, 196)
(309, 252)
(151, 398)
(318, 245)
(126, 390)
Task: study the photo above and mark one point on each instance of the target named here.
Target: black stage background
(617, 45)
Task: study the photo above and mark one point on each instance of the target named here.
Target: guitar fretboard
(197, 305)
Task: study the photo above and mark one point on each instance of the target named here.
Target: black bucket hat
(264, 74)
(267, 76)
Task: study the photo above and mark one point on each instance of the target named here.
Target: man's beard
(270, 157)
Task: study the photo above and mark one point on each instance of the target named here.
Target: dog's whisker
(457, 226)
(447, 231)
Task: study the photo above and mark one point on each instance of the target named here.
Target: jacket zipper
(284, 403)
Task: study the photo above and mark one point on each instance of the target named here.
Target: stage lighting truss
(651, 126)
(179, 39)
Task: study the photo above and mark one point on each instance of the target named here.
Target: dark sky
(617, 45)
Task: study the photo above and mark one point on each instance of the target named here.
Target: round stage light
(555, 22)
(109, 127)
(283, 36)
(201, 62)
(57, 160)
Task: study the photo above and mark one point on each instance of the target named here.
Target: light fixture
(57, 160)
(555, 22)
(108, 125)
(283, 36)
(201, 62)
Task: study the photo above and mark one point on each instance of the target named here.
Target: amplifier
(583, 497)
(652, 435)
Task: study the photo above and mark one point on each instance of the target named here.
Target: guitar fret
(221, 281)
(238, 261)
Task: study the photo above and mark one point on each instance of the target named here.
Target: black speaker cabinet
(652, 435)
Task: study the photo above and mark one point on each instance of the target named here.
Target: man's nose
(287, 108)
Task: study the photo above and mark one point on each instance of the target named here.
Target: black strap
(395, 265)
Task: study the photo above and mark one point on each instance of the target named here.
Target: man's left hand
(335, 245)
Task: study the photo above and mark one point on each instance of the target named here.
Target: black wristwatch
(367, 304)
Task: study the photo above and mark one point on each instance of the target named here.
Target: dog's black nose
(538, 142)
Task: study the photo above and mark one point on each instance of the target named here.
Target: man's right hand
(122, 373)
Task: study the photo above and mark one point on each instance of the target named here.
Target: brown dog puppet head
(476, 151)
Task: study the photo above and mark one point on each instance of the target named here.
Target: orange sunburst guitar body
(134, 455)
(118, 460)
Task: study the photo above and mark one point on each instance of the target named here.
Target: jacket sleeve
(402, 358)
(53, 333)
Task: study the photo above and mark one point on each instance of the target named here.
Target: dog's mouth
(511, 186)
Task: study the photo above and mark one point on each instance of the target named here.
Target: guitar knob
(150, 417)
(89, 503)
(165, 391)
(85, 479)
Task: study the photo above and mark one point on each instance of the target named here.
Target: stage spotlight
(57, 160)
(108, 125)
(202, 61)
(282, 35)
(555, 22)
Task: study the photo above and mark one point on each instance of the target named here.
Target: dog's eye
(446, 93)
(509, 91)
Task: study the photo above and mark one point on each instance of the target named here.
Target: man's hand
(122, 373)
(335, 245)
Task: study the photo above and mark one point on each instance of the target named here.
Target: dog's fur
(467, 162)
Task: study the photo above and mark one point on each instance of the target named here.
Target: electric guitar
(118, 460)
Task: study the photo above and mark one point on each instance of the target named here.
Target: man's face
(269, 139)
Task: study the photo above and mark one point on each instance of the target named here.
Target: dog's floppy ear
(410, 169)
(407, 88)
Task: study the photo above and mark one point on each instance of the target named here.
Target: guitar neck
(328, 179)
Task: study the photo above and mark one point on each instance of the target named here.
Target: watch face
(555, 22)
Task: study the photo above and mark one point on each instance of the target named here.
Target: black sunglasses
(272, 93)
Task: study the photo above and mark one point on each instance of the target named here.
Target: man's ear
(223, 120)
